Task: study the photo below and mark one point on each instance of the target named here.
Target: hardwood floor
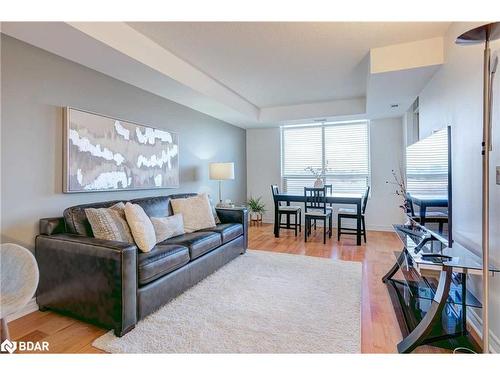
(380, 330)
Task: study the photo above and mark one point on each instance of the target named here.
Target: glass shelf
(461, 259)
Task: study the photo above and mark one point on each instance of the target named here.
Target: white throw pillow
(167, 227)
(196, 212)
(141, 227)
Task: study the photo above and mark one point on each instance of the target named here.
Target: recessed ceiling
(285, 63)
(257, 74)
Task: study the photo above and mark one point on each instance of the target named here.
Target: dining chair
(316, 209)
(350, 213)
(438, 217)
(295, 211)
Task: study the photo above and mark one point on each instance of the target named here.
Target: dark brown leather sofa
(113, 284)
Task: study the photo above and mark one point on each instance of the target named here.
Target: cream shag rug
(261, 302)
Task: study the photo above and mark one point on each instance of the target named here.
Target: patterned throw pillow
(196, 212)
(109, 223)
(167, 227)
(141, 227)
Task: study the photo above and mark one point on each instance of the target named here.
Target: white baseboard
(30, 307)
(476, 323)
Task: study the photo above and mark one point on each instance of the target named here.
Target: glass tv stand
(428, 289)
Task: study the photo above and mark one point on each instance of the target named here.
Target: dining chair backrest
(276, 191)
(329, 188)
(315, 198)
(365, 200)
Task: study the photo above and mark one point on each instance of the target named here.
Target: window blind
(427, 165)
(343, 148)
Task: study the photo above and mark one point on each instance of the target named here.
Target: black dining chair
(350, 213)
(316, 209)
(437, 217)
(329, 190)
(289, 211)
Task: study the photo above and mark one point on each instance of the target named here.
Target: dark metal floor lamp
(485, 34)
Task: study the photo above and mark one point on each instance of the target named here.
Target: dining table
(346, 198)
(424, 201)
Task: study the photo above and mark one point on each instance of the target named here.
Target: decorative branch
(400, 190)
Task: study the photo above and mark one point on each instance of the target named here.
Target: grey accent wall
(37, 84)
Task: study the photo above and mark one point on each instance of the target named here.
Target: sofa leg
(120, 333)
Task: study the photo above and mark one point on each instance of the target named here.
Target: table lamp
(221, 171)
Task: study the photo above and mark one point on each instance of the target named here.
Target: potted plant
(256, 207)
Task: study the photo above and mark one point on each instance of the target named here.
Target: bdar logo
(8, 346)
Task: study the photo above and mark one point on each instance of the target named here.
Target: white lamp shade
(221, 171)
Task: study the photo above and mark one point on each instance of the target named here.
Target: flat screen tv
(429, 182)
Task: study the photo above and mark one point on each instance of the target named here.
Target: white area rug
(261, 302)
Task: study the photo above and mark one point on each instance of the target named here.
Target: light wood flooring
(380, 330)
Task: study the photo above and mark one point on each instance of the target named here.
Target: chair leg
(364, 227)
(295, 224)
(441, 227)
(314, 224)
(330, 227)
(324, 232)
(339, 225)
(305, 230)
(300, 221)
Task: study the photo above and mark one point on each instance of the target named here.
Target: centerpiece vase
(319, 183)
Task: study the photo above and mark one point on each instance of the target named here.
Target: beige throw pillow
(109, 223)
(196, 212)
(141, 227)
(167, 227)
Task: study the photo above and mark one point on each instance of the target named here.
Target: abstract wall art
(106, 154)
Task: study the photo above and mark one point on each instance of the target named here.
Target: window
(342, 147)
(427, 165)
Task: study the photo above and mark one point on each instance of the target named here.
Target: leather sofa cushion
(162, 259)
(228, 231)
(198, 243)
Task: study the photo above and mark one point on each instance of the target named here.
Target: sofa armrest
(235, 215)
(52, 225)
(94, 280)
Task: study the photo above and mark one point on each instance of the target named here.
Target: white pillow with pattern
(196, 212)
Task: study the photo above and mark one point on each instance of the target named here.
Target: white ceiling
(256, 74)
(285, 63)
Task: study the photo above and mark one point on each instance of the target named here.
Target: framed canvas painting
(102, 153)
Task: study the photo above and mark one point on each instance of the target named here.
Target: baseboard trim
(30, 307)
(476, 323)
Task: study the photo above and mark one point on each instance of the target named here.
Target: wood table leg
(358, 224)
(422, 330)
(276, 223)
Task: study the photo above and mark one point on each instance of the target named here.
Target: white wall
(386, 154)
(263, 166)
(454, 97)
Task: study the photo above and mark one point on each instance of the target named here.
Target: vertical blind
(427, 165)
(343, 148)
